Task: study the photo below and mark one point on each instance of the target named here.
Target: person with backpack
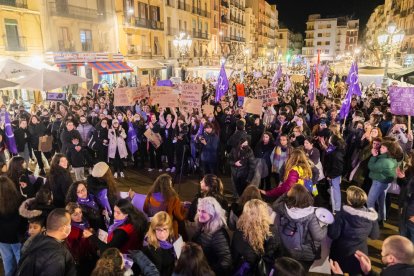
(298, 227)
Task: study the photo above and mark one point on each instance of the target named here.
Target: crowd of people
(286, 165)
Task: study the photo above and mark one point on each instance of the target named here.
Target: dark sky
(294, 13)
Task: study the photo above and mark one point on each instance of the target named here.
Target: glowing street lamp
(182, 43)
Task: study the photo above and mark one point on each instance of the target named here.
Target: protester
(192, 262)
(59, 179)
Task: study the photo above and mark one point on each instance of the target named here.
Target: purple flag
(104, 201)
(165, 83)
(323, 89)
(287, 85)
(240, 101)
(277, 75)
(11, 142)
(352, 80)
(311, 91)
(222, 84)
(346, 105)
(132, 139)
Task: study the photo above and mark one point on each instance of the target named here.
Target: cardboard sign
(402, 100)
(163, 96)
(240, 90)
(208, 109)
(268, 95)
(121, 97)
(297, 78)
(191, 95)
(154, 138)
(138, 93)
(253, 106)
(83, 92)
(170, 101)
(263, 82)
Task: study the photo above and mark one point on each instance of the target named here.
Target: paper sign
(253, 106)
(138, 93)
(178, 246)
(240, 90)
(191, 95)
(263, 82)
(55, 96)
(297, 78)
(103, 235)
(121, 97)
(163, 96)
(154, 138)
(83, 92)
(268, 95)
(402, 100)
(208, 109)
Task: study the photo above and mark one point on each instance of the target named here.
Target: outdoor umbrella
(5, 83)
(46, 80)
(11, 69)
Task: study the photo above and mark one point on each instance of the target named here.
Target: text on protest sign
(253, 106)
(402, 100)
(127, 96)
(163, 96)
(191, 95)
(269, 96)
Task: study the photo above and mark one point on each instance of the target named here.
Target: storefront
(103, 68)
(148, 70)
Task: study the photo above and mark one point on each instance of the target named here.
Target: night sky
(294, 13)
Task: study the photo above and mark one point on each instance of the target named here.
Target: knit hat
(99, 169)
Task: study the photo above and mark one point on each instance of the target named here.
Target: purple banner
(58, 96)
(402, 100)
(165, 83)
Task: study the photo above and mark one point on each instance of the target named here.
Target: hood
(366, 213)
(299, 213)
(25, 212)
(41, 242)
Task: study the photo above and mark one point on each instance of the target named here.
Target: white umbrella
(46, 80)
(11, 69)
(5, 83)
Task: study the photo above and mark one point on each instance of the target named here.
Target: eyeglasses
(160, 230)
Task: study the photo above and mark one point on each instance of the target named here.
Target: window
(327, 43)
(144, 48)
(326, 51)
(280, 36)
(86, 40)
(169, 49)
(157, 48)
(12, 35)
(169, 25)
(319, 43)
(319, 34)
(142, 10)
(179, 25)
(328, 26)
(64, 39)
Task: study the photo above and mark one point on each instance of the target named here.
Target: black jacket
(246, 157)
(66, 138)
(35, 132)
(163, 259)
(59, 183)
(242, 251)
(43, 256)
(22, 136)
(334, 163)
(12, 228)
(350, 232)
(216, 248)
(194, 204)
(234, 140)
(76, 158)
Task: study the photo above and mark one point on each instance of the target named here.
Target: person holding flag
(10, 140)
(311, 91)
(222, 84)
(277, 76)
(353, 89)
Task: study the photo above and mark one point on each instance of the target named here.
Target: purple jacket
(291, 180)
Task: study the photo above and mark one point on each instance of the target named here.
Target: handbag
(45, 143)
(394, 188)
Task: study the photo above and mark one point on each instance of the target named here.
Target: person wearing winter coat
(209, 148)
(100, 141)
(22, 137)
(239, 134)
(352, 227)
(77, 157)
(46, 254)
(242, 165)
(334, 166)
(263, 151)
(212, 235)
(295, 215)
(67, 134)
(382, 170)
(85, 130)
(279, 156)
(39, 206)
(37, 130)
(59, 179)
(117, 147)
(254, 239)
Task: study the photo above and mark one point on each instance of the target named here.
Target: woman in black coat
(100, 137)
(353, 225)
(59, 179)
(243, 166)
(37, 129)
(263, 150)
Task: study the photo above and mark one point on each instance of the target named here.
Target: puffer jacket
(209, 151)
(382, 168)
(85, 130)
(306, 216)
(30, 209)
(246, 158)
(349, 233)
(216, 248)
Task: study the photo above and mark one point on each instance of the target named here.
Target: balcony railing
(18, 44)
(66, 46)
(87, 46)
(225, 3)
(215, 25)
(76, 12)
(224, 20)
(200, 34)
(200, 12)
(169, 3)
(225, 39)
(148, 23)
(183, 6)
(237, 38)
(14, 3)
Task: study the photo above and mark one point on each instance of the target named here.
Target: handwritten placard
(253, 106)
(268, 95)
(138, 93)
(191, 95)
(402, 100)
(121, 97)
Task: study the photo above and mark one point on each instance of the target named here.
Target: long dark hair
(135, 217)
(10, 197)
(72, 195)
(56, 169)
(163, 185)
(214, 184)
(192, 261)
(15, 169)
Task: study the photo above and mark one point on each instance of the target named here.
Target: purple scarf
(330, 148)
(116, 224)
(81, 225)
(89, 202)
(165, 244)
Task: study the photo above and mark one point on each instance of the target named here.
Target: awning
(404, 72)
(146, 64)
(111, 67)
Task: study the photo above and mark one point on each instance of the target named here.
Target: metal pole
(385, 78)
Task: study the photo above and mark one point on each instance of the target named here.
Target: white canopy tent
(6, 84)
(11, 69)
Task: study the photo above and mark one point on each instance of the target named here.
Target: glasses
(160, 230)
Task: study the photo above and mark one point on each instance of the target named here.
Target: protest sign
(402, 100)
(208, 109)
(263, 82)
(253, 106)
(240, 90)
(138, 93)
(297, 78)
(55, 96)
(154, 138)
(268, 95)
(158, 92)
(170, 100)
(82, 91)
(191, 95)
(121, 97)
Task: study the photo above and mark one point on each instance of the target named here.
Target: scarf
(116, 224)
(330, 148)
(280, 156)
(163, 244)
(81, 225)
(89, 201)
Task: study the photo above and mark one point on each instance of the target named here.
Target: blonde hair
(298, 158)
(255, 222)
(218, 216)
(356, 197)
(160, 219)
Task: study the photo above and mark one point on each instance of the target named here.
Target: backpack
(295, 236)
(92, 143)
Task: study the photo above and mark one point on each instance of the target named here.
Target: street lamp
(182, 43)
(389, 40)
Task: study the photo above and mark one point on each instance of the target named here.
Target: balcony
(66, 46)
(148, 24)
(224, 20)
(76, 12)
(87, 46)
(183, 6)
(17, 44)
(225, 3)
(225, 39)
(169, 3)
(14, 3)
(200, 35)
(173, 31)
(200, 12)
(237, 38)
(215, 25)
